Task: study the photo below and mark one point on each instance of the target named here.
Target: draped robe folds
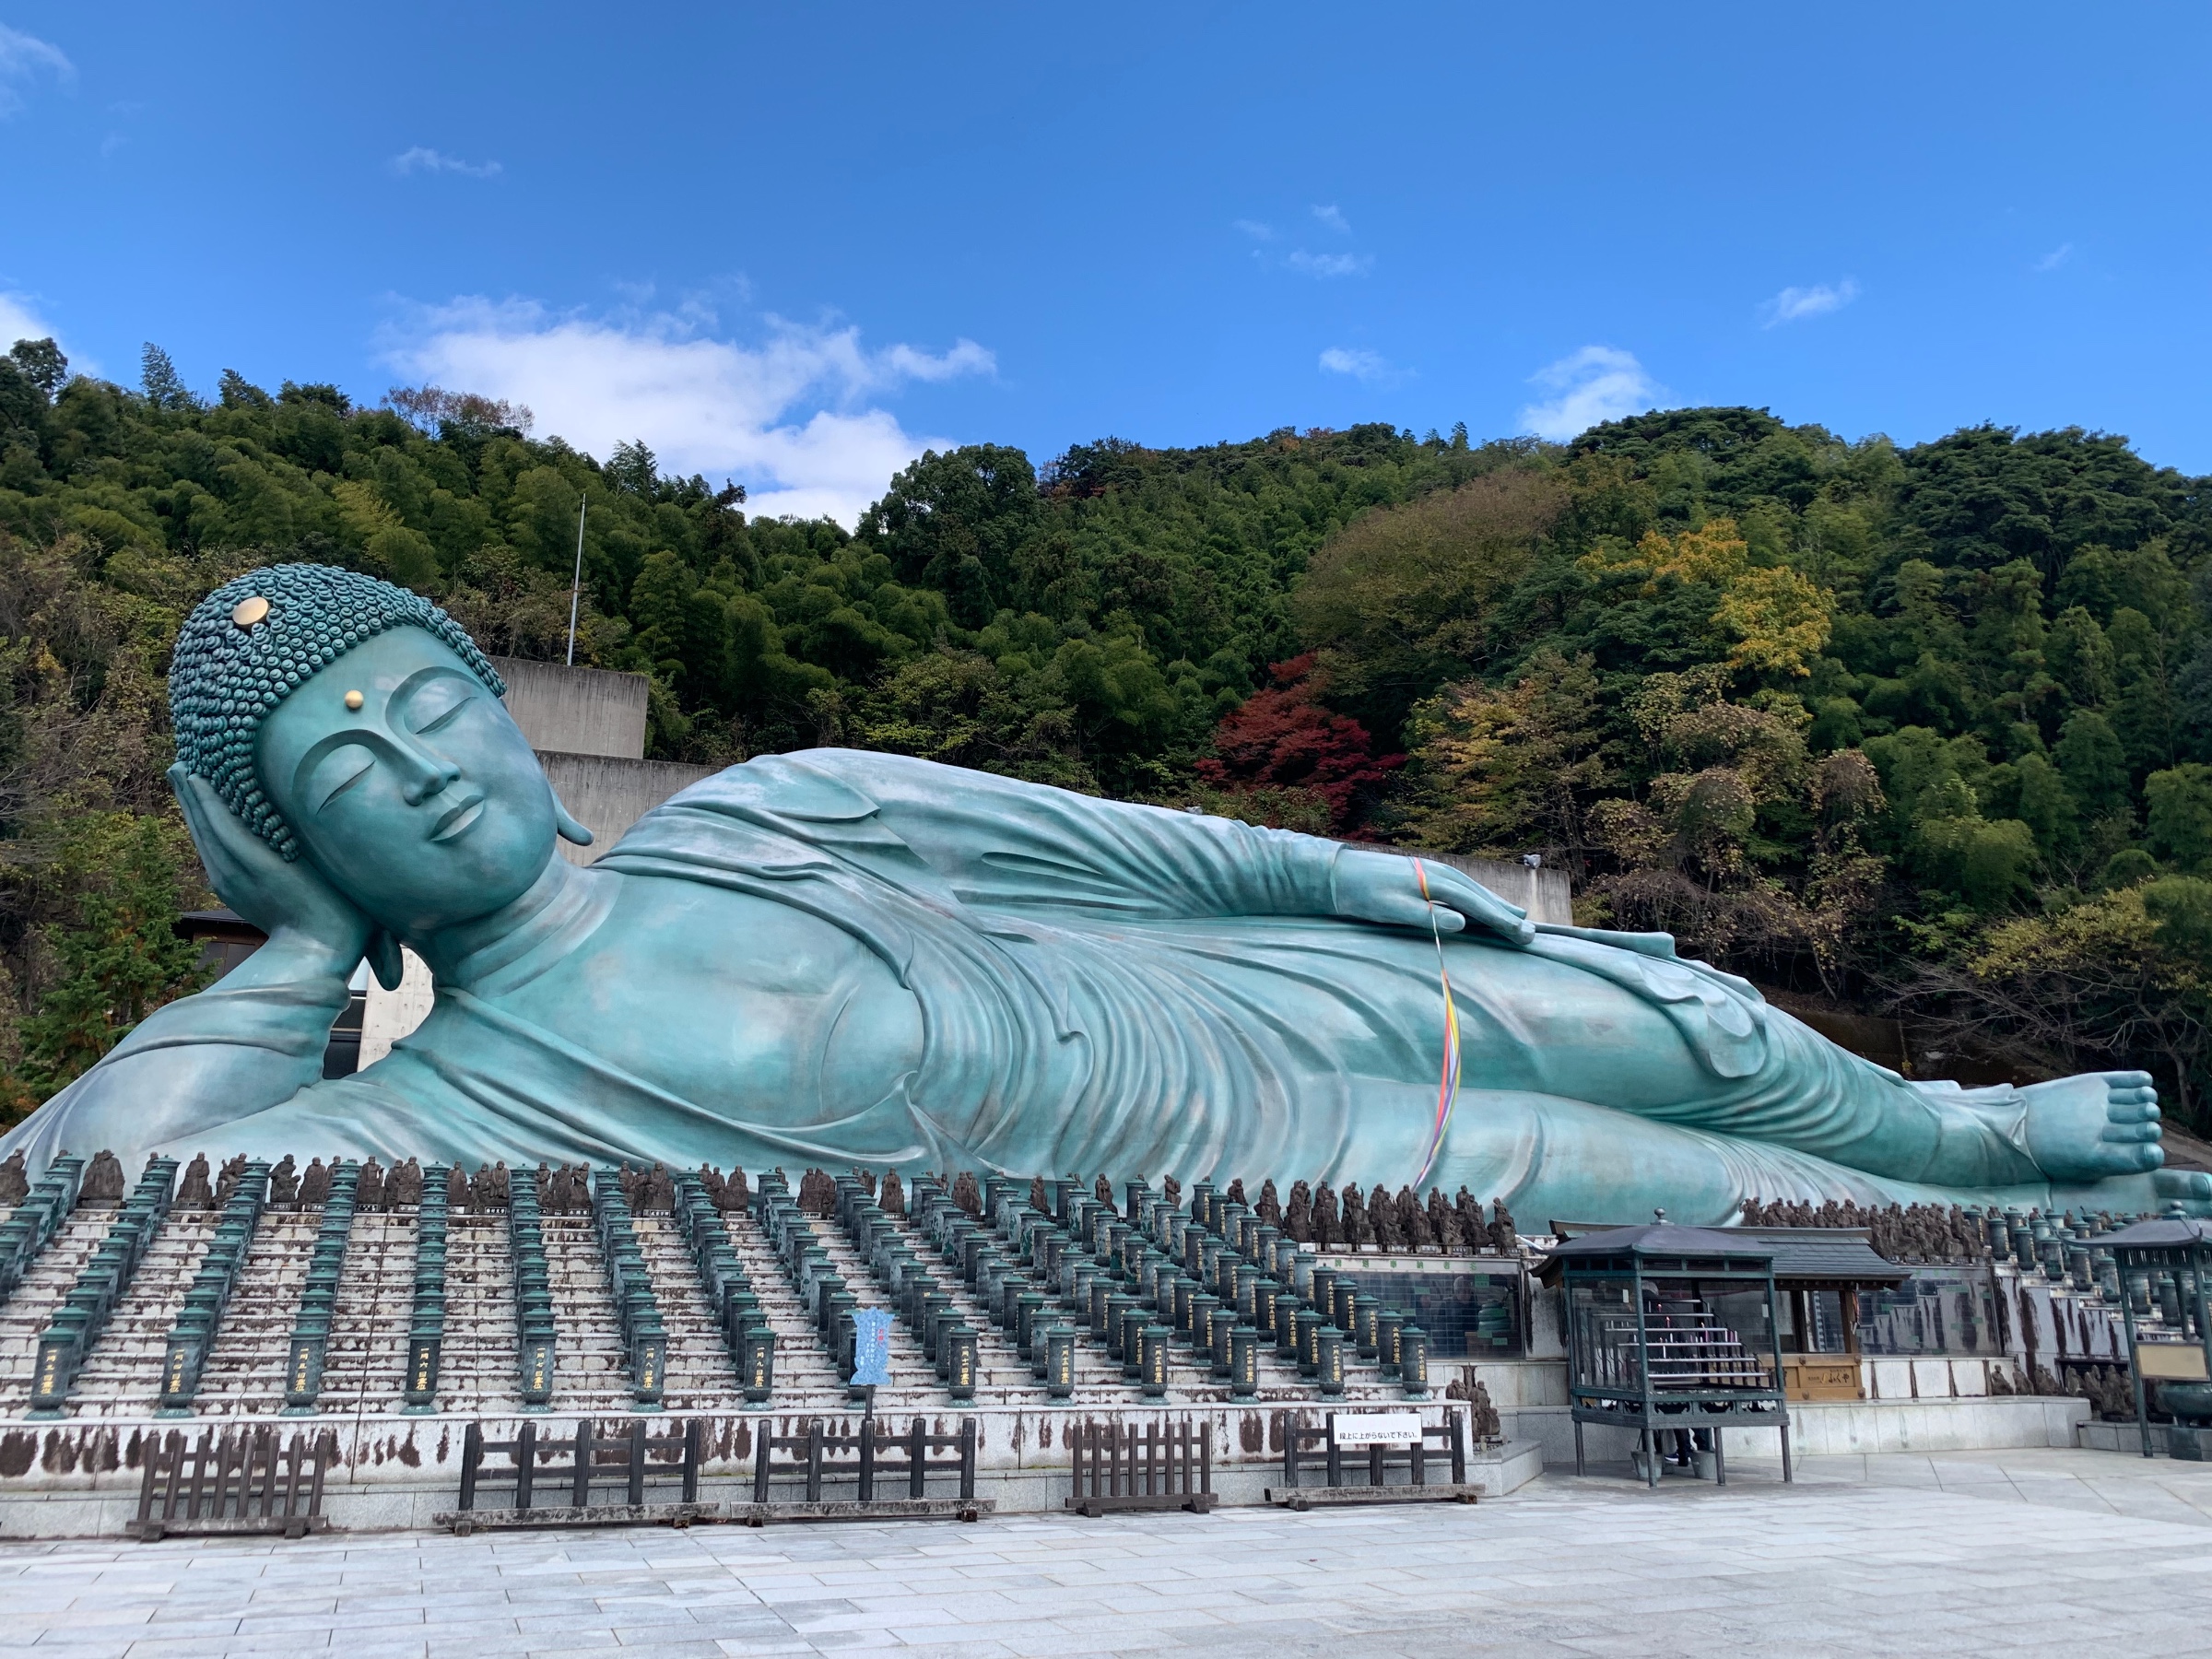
(1104, 986)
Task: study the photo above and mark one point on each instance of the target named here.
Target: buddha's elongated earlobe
(384, 960)
(570, 830)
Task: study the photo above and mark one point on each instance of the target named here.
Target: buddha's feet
(2095, 1125)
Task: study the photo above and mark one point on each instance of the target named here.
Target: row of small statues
(1916, 1233)
(1313, 1215)
(1316, 1215)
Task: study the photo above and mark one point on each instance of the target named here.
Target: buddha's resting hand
(2096, 1124)
(290, 902)
(1385, 886)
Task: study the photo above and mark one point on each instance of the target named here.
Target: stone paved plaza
(2020, 1552)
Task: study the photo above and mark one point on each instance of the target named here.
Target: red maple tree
(1285, 737)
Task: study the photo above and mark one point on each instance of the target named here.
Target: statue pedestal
(2190, 1443)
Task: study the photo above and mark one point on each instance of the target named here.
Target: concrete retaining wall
(607, 796)
(576, 711)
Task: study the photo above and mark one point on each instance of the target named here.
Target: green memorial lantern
(961, 1378)
(1413, 1361)
(1132, 1320)
(1389, 1321)
(1366, 1338)
(1308, 1324)
(1153, 1366)
(1244, 1362)
(757, 1359)
(1059, 1363)
(1328, 1358)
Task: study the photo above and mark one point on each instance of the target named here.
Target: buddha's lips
(458, 819)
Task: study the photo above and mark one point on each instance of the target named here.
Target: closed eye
(338, 772)
(441, 717)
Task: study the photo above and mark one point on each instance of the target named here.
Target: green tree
(2180, 815)
(42, 363)
(162, 386)
(123, 959)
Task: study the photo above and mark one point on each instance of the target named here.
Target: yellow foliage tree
(1778, 620)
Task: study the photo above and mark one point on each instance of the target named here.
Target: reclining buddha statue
(861, 959)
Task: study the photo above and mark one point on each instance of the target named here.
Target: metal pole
(576, 585)
(2197, 1279)
(2135, 1364)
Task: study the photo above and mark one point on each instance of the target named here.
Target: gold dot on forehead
(247, 612)
(353, 699)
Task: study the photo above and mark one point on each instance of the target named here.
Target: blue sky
(795, 244)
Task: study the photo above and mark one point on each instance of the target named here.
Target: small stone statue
(194, 1193)
(659, 1192)
(314, 1185)
(284, 1183)
(15, 1182)
(1269, 1209)
(1102, 1192)
(479, 1191)
(1443, 1227)
(1357, 1230)
(103, 1177)
(1038, 1201)
(1236, 1191)
(1327, 1230)
(1172, 1190)
(1474, 1234)
(456, 1189)
(1382, 1221)
(404, 1190)
(737, 1196)
(1483, 1422)
(226, 1182)
(966, 1197)
(1297, 1219)
(1503, 1239)
(892, 1198)
(368, 1191)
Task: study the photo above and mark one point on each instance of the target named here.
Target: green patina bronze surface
(843, 959)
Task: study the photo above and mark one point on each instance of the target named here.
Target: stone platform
(81, 1479)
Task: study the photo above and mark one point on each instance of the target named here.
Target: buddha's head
(353, 724)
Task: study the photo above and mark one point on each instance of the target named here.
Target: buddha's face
(424, 805)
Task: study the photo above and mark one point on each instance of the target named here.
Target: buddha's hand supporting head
(287, 899)
(365, 738)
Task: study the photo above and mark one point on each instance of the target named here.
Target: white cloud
(1332, 218)
(1596, 384)
(423, 159)
(19, 320)
(1325, 265)
(23, 58)
(1356, 361)
(779, 416)
(1256, 231)
(1794, 303)
(2057, 257)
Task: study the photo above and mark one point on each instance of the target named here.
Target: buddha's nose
(425, 777)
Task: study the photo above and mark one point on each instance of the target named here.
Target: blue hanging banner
(871, 1348)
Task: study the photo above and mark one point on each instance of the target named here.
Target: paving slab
(1862, 1556)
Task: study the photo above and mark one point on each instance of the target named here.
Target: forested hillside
(1925, 729)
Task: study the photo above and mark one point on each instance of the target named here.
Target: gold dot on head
(353, 699)
(247, 612)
